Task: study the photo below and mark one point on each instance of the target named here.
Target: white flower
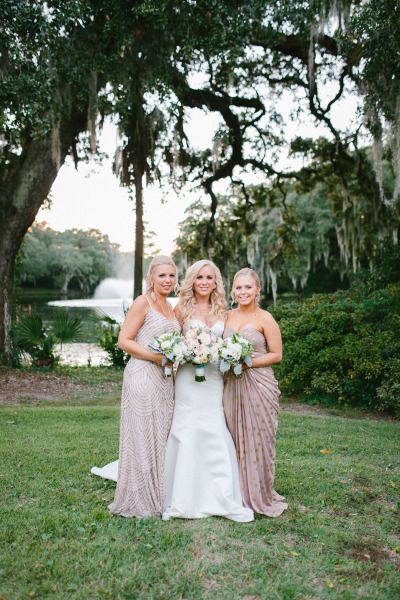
(205, 338)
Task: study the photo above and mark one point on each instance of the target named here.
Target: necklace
(168, 315)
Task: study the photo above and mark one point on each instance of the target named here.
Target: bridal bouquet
(235, 350)
(172, 346)
(202, 347)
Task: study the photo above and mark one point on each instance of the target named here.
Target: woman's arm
(272, 334)
(227, 314)
(133, 322)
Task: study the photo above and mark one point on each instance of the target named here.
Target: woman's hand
(157, 359)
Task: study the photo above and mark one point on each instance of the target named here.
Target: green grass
(337, 540)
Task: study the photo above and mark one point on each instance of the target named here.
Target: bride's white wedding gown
(109, 471)
(202, 475)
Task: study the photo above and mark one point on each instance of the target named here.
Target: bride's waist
(208, 367)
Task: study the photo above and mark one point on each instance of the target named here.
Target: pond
(112, 298)
(89, 310)
(36, 301)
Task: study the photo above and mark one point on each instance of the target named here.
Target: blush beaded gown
(251, 410)
(146, 413)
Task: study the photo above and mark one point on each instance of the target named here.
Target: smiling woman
(147, 399)
(253, 424)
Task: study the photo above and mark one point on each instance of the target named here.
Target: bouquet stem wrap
(199, 373)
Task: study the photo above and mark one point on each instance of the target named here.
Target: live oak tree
(43, 110)
(299, 47)
(64, 64)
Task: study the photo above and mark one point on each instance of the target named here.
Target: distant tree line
(72, 259)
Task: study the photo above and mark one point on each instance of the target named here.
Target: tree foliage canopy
(68, 65)
(62, 259)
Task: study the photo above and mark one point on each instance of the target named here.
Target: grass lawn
(337, 540)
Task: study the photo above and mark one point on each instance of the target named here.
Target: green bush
(108, 332)
(345, 346)
(32, 338)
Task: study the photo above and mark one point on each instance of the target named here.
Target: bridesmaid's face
(205, 282)
(245, 290)
(164, 279)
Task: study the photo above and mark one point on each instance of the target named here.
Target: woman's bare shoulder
(178, 311)
(266, 317)
(140, 304)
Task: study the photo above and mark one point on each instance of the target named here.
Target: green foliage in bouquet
(38, 341)
(108, 332)
(346, 346)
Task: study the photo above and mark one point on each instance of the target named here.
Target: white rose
(205, 338)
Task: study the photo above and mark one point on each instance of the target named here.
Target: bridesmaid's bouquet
(235, 351)
(202, 348)
(172, 346)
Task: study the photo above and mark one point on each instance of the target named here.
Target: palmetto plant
(38, 341)
(108, 331)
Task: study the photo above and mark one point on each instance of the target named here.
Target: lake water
(36, 302)
(112, 298)
(83, 353)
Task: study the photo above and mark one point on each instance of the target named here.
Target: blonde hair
(156, 262)
(251, 273)
(187, 300)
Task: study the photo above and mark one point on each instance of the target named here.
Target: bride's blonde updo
(156, 262)
(187, 300)
(251, 273)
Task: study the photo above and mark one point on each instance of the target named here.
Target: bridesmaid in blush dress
(251, 401)
(147, 399)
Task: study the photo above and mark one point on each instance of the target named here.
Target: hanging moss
(92, 111)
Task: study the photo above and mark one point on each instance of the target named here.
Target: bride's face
(205, 282)
(245, 290)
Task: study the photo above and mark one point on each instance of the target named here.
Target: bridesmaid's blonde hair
(251, 273)
(187, 300)
(156, 262)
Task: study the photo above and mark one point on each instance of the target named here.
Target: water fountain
(112, 298)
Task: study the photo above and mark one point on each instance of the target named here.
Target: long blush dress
(146, 413)
(251, 411)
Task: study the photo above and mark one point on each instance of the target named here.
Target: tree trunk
(138, 269)
(26, 183)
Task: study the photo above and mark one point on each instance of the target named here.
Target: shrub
(344, 346)
(38, 342)
(108, 332)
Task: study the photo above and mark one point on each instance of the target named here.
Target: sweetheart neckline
(205, 324)
(244, 329)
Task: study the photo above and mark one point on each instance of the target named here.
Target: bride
(201, 470)
(202, 476)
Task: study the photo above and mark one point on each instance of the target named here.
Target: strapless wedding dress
(202, 475)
